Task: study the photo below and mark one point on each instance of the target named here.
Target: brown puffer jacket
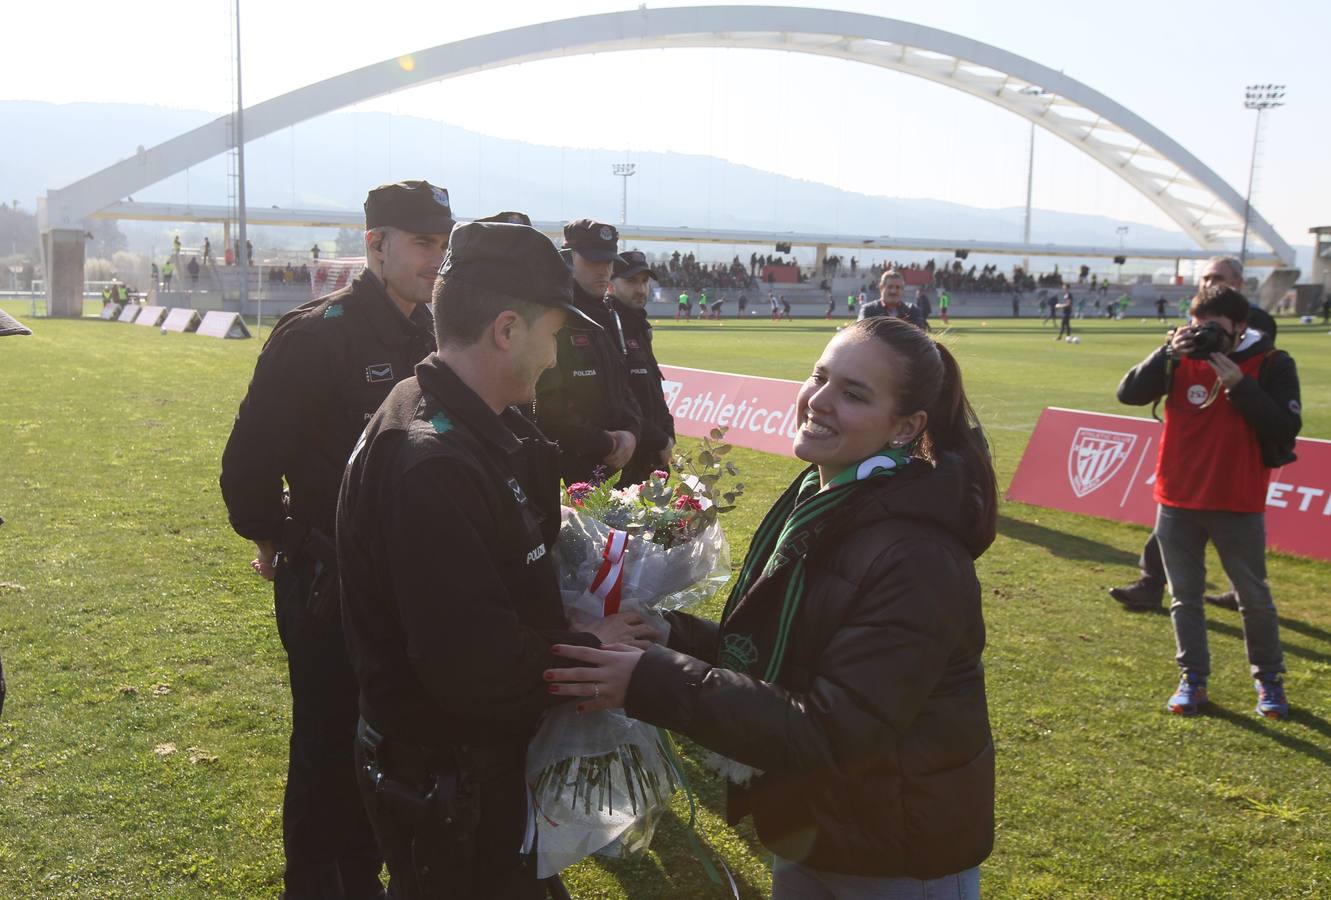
(874, 742)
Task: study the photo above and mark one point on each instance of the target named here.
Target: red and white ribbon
(606, 584)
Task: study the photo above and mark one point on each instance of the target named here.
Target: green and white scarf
(755, 631)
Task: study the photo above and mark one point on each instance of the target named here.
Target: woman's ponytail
(953, 427)
(931, 381)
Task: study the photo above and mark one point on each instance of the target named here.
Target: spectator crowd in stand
(987, 280)
(684, 271)
(288, 274)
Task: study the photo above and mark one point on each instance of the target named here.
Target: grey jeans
(1240, 541)
(794, 881)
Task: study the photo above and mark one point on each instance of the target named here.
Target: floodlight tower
(1033, 91)
(1260, 97)
(624, 171)
(242, 247)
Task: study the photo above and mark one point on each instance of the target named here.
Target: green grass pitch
(142, 750)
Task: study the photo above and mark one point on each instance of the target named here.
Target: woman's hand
(621, 628)
(604, 682)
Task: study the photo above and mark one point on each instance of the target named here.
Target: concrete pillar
(64, 250)
(819, 257)
(1274, 288)
(1321, 271)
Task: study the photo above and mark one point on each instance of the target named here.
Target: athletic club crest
(606, 233)
(440, 196)
(1096, 456)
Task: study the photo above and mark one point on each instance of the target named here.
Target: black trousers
(329, 846)
(420, 867)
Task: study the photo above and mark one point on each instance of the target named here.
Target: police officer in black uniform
(448, 510)
(324, 371)
(585, 403)
(628, 297)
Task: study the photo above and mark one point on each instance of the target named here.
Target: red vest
(1209, 458)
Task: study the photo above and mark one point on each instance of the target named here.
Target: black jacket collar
(628, 312)
(385, 318)
(595, 307)
(453, 394)
(945, 494)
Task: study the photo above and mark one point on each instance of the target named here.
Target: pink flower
(687, 502)
(576, 492)
(661, 474)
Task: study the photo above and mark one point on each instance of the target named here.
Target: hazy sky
(1181, 65)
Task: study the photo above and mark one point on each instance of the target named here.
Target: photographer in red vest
(1231, 415)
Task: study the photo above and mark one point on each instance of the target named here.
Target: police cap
(415, 206)
(516, 260)
(633, 262)
(512, 218)
(592, 240)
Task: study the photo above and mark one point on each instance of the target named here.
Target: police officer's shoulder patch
(580, 340)
(442, 424)
(334, 311)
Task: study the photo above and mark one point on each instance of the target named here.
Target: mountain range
(328, 163)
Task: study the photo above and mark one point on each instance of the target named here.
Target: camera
(1205, 339)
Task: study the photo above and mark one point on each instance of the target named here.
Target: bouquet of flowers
(601, 780)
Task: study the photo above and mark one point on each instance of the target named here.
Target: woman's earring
(896, 444)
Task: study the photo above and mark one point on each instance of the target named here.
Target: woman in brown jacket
(842, 691)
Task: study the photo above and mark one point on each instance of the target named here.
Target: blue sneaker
(1271, 700)
(1189, 697)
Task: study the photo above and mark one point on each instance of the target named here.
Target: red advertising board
(759, 412)
(1104, 465)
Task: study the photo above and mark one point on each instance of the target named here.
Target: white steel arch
(1190, 193)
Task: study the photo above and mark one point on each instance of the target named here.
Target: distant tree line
(18, 232)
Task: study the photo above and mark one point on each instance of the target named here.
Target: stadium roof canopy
(1207, 208)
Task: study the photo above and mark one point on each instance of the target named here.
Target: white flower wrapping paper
(654, 579)
(601, 780)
